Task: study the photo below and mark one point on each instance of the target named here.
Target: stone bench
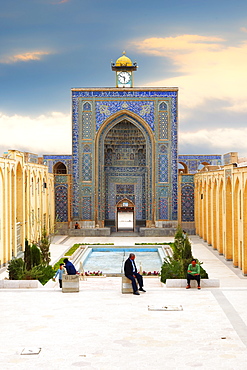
(126, 285)
(70, 283)
(182, 283)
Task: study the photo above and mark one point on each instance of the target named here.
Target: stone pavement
(100, 328)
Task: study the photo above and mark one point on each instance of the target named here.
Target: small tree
(36, 255)
(27, 256)
(44, 245)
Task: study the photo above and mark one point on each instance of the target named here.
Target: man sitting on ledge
(193, 273)
(131, 273)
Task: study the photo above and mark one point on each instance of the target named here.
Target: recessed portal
(125, 221)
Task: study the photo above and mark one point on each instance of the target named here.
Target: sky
(48, 47)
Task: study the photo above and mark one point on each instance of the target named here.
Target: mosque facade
(125, 160)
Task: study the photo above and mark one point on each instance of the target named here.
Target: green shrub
(16, 269)
(36, 255)
(41, 272)
(171, 269)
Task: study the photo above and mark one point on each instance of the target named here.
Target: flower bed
(93, 273)
(149, 273)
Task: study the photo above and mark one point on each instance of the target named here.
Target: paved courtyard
(100, 328)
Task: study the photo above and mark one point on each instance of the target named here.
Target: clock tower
(124, 71)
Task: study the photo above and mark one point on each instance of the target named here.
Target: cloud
(168, 46)
(206, 67)
(43, 134)
(218, 141)
(25, 57)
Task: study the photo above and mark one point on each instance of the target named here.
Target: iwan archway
(124, 169)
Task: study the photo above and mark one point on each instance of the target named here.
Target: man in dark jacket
(131, 273)
(70, 268)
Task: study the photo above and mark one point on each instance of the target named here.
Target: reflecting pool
(111, 260)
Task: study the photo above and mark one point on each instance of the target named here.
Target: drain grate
(165, 308)
(31, 351)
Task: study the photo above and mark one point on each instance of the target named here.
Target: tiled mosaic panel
(187, 203)
(163, 168)
(86, 167)
(61, 179)
(143, 108)
(61, 203)
(188, 178)
(86, 208)
(163, 209)
(163, 125)
(86, 106)
(86, 125)
(125, 189)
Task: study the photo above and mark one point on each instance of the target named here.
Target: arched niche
(59, 169)
(135, 160)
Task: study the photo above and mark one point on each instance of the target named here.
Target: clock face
(124, 77)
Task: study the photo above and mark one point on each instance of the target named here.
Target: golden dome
(123, 61)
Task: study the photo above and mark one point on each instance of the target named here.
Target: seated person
(193, 273)
(77, 226)
(131, 273)
(70, 268)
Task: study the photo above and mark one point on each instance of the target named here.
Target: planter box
(182, 283)
(70, 283)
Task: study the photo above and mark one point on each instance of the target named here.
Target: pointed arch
(148, 170)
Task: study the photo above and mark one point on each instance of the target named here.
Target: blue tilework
(142, 108)
(143, 104)
(163, 209)
(163, 168)
(61, 202)
(86, 208)
(187, 204)
(194, 161)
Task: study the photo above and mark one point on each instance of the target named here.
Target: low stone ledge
(20, 284)
(106, 231)
(182, 283)
(159, 231)
(126, 285)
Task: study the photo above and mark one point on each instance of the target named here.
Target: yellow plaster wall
(25, 203)
(221, 212)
